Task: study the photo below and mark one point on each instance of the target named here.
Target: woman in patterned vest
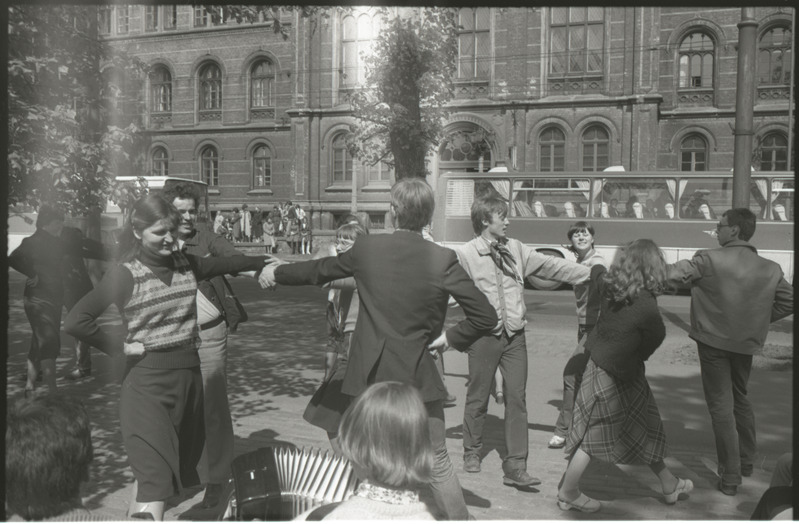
(155, 288)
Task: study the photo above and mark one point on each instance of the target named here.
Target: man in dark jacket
(404, 283)
(735, 294)
(217, 312)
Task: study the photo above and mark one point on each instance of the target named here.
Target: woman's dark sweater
(626, 334)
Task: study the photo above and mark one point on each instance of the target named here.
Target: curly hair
(638, 265)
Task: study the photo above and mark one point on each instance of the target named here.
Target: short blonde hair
(385, 433)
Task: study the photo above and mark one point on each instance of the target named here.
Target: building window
(209, 166)
(210, 87)
(151, 18)
(160, 162)
(262, 84)
(576, 41)
(774, 59)
(170, 16)
(596, 148)
(357, 36)
(474, 43)
(161, 90)
(104, 20)
(696, 61)
(123, 19)
(261, 167)
(465, 150)
(342, 160)
(200, 16)
(378, 173)
(693, 153)
(552, 147)
(774, 152)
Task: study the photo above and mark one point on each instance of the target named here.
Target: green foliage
(68, 130)
(401, 109)
(265, 13)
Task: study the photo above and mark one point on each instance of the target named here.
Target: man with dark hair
(218, 311)
(498, 265)
(48, 453)
(735, 295)
(404, 283)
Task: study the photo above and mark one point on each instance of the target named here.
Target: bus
(678, 210)
(22, 222)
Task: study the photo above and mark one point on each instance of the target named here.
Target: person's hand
(439, 345)
(133, 349)
(272, 259)
(267, 278)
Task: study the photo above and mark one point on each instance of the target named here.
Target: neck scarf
(504, 259)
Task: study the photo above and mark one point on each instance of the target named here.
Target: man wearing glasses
(735, 295)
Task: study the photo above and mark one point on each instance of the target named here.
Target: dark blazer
(404, 282)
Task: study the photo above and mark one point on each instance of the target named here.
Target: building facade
(262, 118)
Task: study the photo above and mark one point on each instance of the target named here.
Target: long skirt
(45, 320)
(328, 404)
(616, 421)
(163, 429)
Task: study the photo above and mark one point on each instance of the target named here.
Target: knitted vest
(160, 316)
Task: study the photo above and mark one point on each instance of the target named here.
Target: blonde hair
(350, 231)
(386, 434)
(638, 265)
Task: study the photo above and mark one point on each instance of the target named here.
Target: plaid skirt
(616, 421)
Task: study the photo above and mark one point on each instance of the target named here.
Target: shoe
(77, 374)
(471, 464)
(582, 503)
(747, 470)
(728, 489)
(557, 442)
(683, 486)
(213, 492)
(142, 515)
(520, 477)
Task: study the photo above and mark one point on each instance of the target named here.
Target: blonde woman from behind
(386, 437)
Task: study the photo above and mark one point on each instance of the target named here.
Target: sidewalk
(275, 365)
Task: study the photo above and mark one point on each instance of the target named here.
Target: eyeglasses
(719, 226)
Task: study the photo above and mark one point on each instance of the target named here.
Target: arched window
(696, 61)
(209, 166)
(357, 35)
(262, 80)
(774, 58)
(160, 165)
(160, 90)
(552, 147)
(693, 153)
(474, 43)
(342, 160)
(466, 150)
(210, 87)
(596, 148)
(774, 152)
(261, 167)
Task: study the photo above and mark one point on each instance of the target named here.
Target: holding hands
(267, 277)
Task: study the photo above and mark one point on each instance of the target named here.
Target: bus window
(637, 198)
(550, 197)
(461, 193)
(781, 199)
(705, 198)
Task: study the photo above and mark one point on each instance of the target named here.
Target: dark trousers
(444, 484)
(773, 501)
(509, 352)
(724, 379)
(45, 320)
(572, 377)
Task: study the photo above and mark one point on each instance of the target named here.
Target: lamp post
(744, 107)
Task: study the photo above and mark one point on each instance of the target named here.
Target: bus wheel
(541, 283)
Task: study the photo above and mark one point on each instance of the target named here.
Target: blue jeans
(724, 378)
(510, 354)
(445, 486)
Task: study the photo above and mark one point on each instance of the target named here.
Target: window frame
(200, 18)
(570, 50)
(690, 54)
(357, 44)
(159, 157)
(210, 87)
(267, 158)
(151, 15)
(775, 164)
(105, 20)
(170, 13)
(267, 79)
(338, 145)
(552, 145)
(594, 144)
(209, 165)
(693, 151)
(784, 50)
(474, 60)
(122, 13)
(157, 88)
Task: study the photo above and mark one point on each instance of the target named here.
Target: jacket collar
(483, 245)
(740, 243)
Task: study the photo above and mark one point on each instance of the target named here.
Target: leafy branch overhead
(72, 124)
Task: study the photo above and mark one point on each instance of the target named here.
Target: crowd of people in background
(382, 396)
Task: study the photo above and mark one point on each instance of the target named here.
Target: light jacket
(502, 290)
(735, 295)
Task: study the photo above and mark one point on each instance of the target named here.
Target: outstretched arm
(553, 268)
(481, 317)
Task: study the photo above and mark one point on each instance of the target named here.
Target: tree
(72, 126)
(401, 108)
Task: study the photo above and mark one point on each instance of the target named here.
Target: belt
(212, 323)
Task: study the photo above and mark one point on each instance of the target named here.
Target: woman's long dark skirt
(163, 429)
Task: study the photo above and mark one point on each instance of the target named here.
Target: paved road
(275, 365)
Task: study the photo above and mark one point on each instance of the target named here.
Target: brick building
(261, 118)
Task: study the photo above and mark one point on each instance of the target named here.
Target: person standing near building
(498, 265)
(235, 225)
(217, 312)
(735, 295)
(246, 224)
(404, 283)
